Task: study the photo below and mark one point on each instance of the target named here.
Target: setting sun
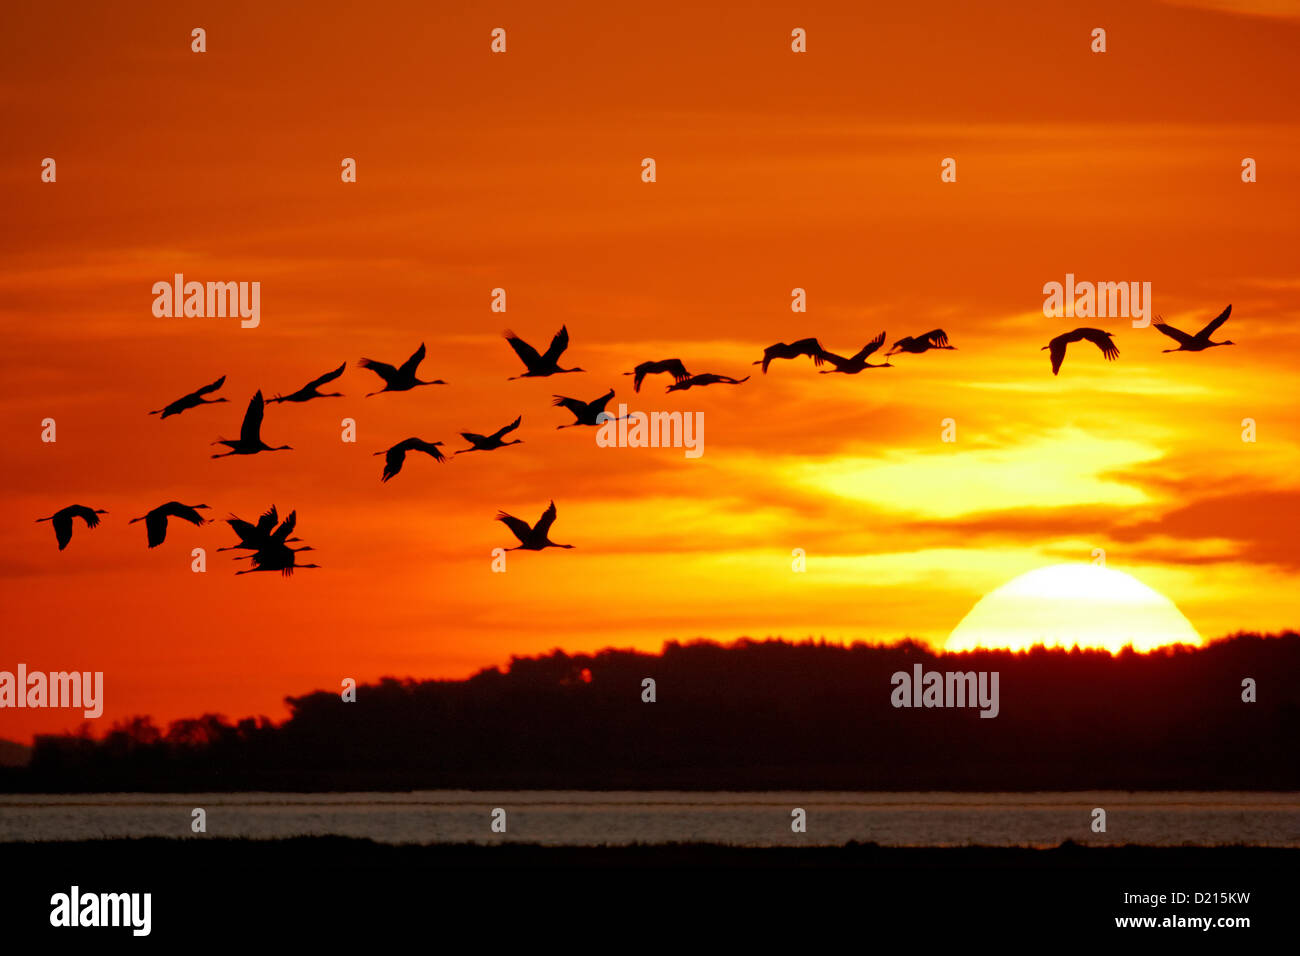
(1073, 604)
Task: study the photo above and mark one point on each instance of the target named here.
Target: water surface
(583, 818)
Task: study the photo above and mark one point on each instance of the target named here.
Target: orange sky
(522, 171)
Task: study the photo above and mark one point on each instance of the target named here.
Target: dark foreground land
(683, 896)
(753, 715)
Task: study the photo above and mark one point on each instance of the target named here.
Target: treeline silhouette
(748, 715)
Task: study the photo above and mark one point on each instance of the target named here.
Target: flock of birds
(268, 539)
(1104, 340)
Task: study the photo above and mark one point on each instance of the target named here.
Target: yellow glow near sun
(1068, 604)
(1067, 468)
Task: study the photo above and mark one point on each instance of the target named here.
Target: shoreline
(700, 853)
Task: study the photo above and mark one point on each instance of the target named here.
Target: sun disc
(1073, 604)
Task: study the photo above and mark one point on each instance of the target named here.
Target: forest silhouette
(748, 715)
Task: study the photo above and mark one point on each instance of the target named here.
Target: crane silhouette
(855, 364)
(280, 535)
(672, 366)
(539, 366)
(704, 378)
(809, 347)
(309, 391)
(63, 521)
(275, 553)
(1096, 336)
(155, 522)
(489, 442)
(192, 400)
(399, 379)
(532, 537)
(586, 413)
(916, 344)
(253, 536)
(249, 441)
(1201, 340)
(276, 557)
(395, 457)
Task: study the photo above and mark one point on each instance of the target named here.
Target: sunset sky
(775, 171)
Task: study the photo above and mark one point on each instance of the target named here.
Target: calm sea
(751, 819)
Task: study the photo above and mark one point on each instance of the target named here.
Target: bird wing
(286, 528)
(599, 404)
(1182, 338)
(410, 365)
(1057, 351)
(574, 405)
(839, 361)
(251, 431)
(1210, 329)
(1103, 342)
(393, 459)
(432, 449)
(871, 346)
(527, 354)
(327, 377)
(545, 521)
(175, 509)
(936, 337)
(472, 438)
(268, 521)
(85, 514)
(206, 389)
(155, 526)
(676, 368)
(521, 528)
(382, 369)
(62, 528)
(502, 432)
(247, 532)
(558, 344)
(810, 347)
